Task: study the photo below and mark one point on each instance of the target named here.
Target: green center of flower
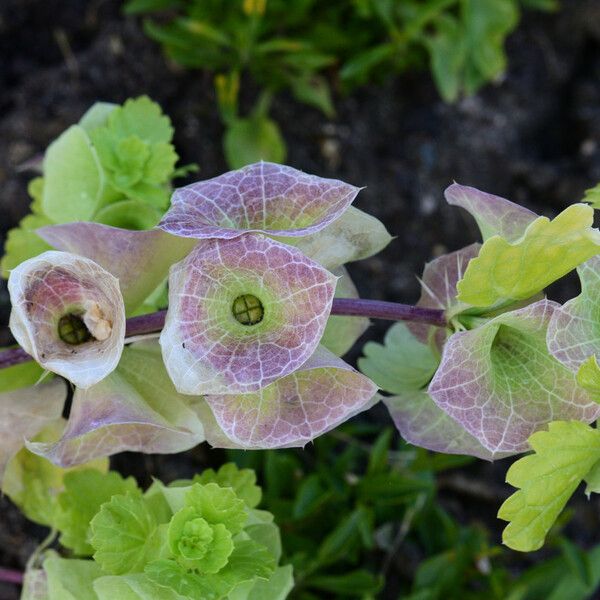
(72, 330)
(248, 309)
(196, 537)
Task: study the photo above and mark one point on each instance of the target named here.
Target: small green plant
(306, 46)
(200, 539)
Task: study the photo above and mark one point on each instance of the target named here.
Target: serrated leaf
(85, 492)
(143, 118)
(73, 178)
(562, 458)
(242, 481)
(23, 242)
(125, 535)
(500, 382)
(508, 272)
(402, 363)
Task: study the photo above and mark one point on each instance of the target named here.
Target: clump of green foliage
(115, 167)
(306, 46)
(201, 539)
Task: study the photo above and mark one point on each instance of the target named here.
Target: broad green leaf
(563, 456)
(218, 505)
(132, 587)
(73, 178)
(266, 534)
(19, 376)
(22, 242)
(402, 363)
(243, 482)
(96, 115)
(129, 214)
(85, 492)
(126, 536)
(34, 483)
(508, 272)
(588, 377)
(253, 139)
(71, 579)
(277, 587)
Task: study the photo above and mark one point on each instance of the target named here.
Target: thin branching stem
(350, 307)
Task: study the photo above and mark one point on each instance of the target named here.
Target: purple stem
(351, 307)
(11, 576)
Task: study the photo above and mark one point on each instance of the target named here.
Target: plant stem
(350, 307)
(11, 576)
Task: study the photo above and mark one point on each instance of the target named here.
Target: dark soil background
(533, 137)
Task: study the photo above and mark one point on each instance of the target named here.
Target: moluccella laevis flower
(68, 313)
(242, 313)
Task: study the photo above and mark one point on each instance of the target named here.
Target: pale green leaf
(126, 536)
(85, 492)
(96, 115)
(243, 482)
(563, 457)
(34, 483)
(22, 375)
(592, 196)
(507, 272)
(129, 214)
(132, 587)
(71, 579)
(23, 243)
(253, 139)
(277, 587)
(143, 118)
(402, 363)
(73, 178)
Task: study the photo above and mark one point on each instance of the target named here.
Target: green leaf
(277, 587)
(73, 178)
(248, 562)
(266, 534)
(217, 505)
(96, 115)
(563, 457)
(132, 587)
(143, 118)
(588, 377)
(33, 483)
(508, 272)
(125, 535)
(85, 492)
(243, 482)
(196, 544)
(354, 583)
(22, 242)
(129, 214)
(19, 376)
(314, 91)
(402, 363)
(344, 537)
(70, 579)
(253, 139)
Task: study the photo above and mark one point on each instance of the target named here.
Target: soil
(532, 137)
